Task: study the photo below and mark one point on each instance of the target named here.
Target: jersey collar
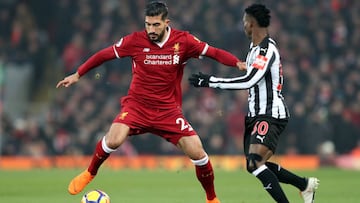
(161, 44)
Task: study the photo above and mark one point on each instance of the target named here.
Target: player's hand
(199, 80)
(241, 65)
(69, 80)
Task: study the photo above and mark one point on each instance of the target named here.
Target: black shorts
(264, 130)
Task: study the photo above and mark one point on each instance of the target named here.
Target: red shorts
(169, 124)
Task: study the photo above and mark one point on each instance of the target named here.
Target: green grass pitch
(161, 186)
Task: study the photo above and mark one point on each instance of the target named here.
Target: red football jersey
(158, 67)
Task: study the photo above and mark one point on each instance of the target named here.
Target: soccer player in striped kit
(153, 104)
(268, 114)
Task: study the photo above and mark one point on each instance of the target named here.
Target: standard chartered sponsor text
(164, 59)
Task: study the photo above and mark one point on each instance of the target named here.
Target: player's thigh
(117, 134)
(192, 147)
(261, 150)
(171, 125)
(249, 127)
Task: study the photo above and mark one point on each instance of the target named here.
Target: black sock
(286, 176)
(271, 183)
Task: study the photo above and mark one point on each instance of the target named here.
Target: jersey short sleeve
(196, 47)
(123, 47)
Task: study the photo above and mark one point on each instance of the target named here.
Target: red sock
(205, 175)
(98, 158)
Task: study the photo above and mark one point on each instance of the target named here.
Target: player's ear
(167, 21)
(253, 22)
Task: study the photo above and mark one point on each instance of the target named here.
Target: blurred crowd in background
(43, 41)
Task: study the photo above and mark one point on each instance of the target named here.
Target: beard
(156, 37)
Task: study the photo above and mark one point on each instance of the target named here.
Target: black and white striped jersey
(263, 79)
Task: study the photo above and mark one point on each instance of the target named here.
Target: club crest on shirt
(176, 57)
(260, 62)
(176, 48)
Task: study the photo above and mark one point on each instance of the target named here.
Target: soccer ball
(95, 196)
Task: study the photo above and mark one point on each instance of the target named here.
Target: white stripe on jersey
(206, 47)
(263, 77)
(262, 102)
(118, 44)
(116, 54)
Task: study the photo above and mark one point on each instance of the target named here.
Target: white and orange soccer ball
(95, 196)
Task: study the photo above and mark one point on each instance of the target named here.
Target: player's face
(247, 25)
(156, 27)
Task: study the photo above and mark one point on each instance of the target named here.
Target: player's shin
(286, 176)
(267, 177)
(205, 175)
(101, 153)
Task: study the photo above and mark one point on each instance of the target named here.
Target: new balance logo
(261, 138)
(98, 156)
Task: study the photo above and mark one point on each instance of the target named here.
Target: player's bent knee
(106, 147)
(251, 162)
(201, 162)
(111, 141)
(116, 135)
(114, 141)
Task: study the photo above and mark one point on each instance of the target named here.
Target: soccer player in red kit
(153, 104)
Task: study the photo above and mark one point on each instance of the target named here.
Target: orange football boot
(78, 183)
(215, 200)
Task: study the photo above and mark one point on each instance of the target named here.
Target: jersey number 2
(183, 124)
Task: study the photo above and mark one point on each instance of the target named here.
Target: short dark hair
(156, 8)
(260, 13)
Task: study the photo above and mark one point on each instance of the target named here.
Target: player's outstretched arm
(224, 57)
(94, 61)
(69, 80)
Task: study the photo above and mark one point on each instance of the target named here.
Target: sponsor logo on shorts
(261, 138)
